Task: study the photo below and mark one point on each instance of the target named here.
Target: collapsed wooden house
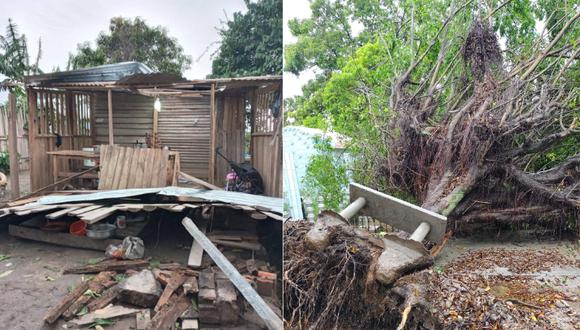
(140, 148)
(114, 104)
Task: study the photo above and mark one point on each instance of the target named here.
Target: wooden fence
(22, 142)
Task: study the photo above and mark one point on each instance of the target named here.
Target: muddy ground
(31, 280)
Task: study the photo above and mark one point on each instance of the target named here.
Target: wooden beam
(54, 313)
(155, 127)
(110, 102)
(199, 181)
(32, 147)
(270, 318)
(213, 135)
(13, 147)
(58, 182)
(61, 238)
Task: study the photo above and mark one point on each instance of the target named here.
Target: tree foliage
(251, 43)
(15, 60)
(132, 40)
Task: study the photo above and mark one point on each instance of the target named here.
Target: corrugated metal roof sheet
(102, 73)
(261, 202)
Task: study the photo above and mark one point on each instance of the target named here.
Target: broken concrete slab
(400, 257)
(140, 289)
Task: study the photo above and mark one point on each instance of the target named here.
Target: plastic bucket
(78, 228)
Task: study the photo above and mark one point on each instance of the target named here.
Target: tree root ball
(335, 288)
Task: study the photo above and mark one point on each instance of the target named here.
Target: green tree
(132, 40)
(14, 58)
(251, 43)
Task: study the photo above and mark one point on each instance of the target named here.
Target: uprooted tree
(463, 128)
(439, 113)
(496, 119)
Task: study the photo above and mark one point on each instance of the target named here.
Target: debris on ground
(490, 288)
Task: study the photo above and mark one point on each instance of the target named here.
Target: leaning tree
(473, 162)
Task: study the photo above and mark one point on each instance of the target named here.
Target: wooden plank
(98, 214)
(138, 175)
(37, 209)
(13, 147)
(116, 265)
(105, 313)
(262, 309)
(62, 213)
(99, 283)
(105, 299)
(84, 210)
(162, 173)
(253, 246)
(119, 168)
(173, 283)
(199, 181)
(166, 317)
(54, 313)
(126, 169)
(146, 179)
(196, 251)
(61, 238)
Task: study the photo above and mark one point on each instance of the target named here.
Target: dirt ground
(31, 280)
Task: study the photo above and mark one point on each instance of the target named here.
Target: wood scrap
(63, 239)
(196, 252)
(105, 299)
(173, 283)
(54, 313)
(108, 312)
(97, 285)
(200, 182)
(253, 246)
(166, 317)
(191, 324)
(108, 265)
(57, 183)
(190, 285)
(272, 320)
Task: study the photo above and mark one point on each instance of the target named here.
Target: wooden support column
(110, 99)
(32, 147)
(213, 115)
(13, 147)
(155, 127)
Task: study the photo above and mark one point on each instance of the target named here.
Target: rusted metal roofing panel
(102, 73)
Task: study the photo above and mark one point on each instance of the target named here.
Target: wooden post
(110, 98)
(32, 147)
(213, 135)
(13, 147)
(155, 127)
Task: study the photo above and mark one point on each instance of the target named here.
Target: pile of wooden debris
(158, 296)
(203, 289)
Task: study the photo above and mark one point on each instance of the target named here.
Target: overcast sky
(62, 24)
(292, 9)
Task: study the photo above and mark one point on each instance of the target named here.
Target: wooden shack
(115, 104)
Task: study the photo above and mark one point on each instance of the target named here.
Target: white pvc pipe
(421, 232)
(353, 208)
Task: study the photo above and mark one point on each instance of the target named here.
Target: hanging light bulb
(157, 104)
